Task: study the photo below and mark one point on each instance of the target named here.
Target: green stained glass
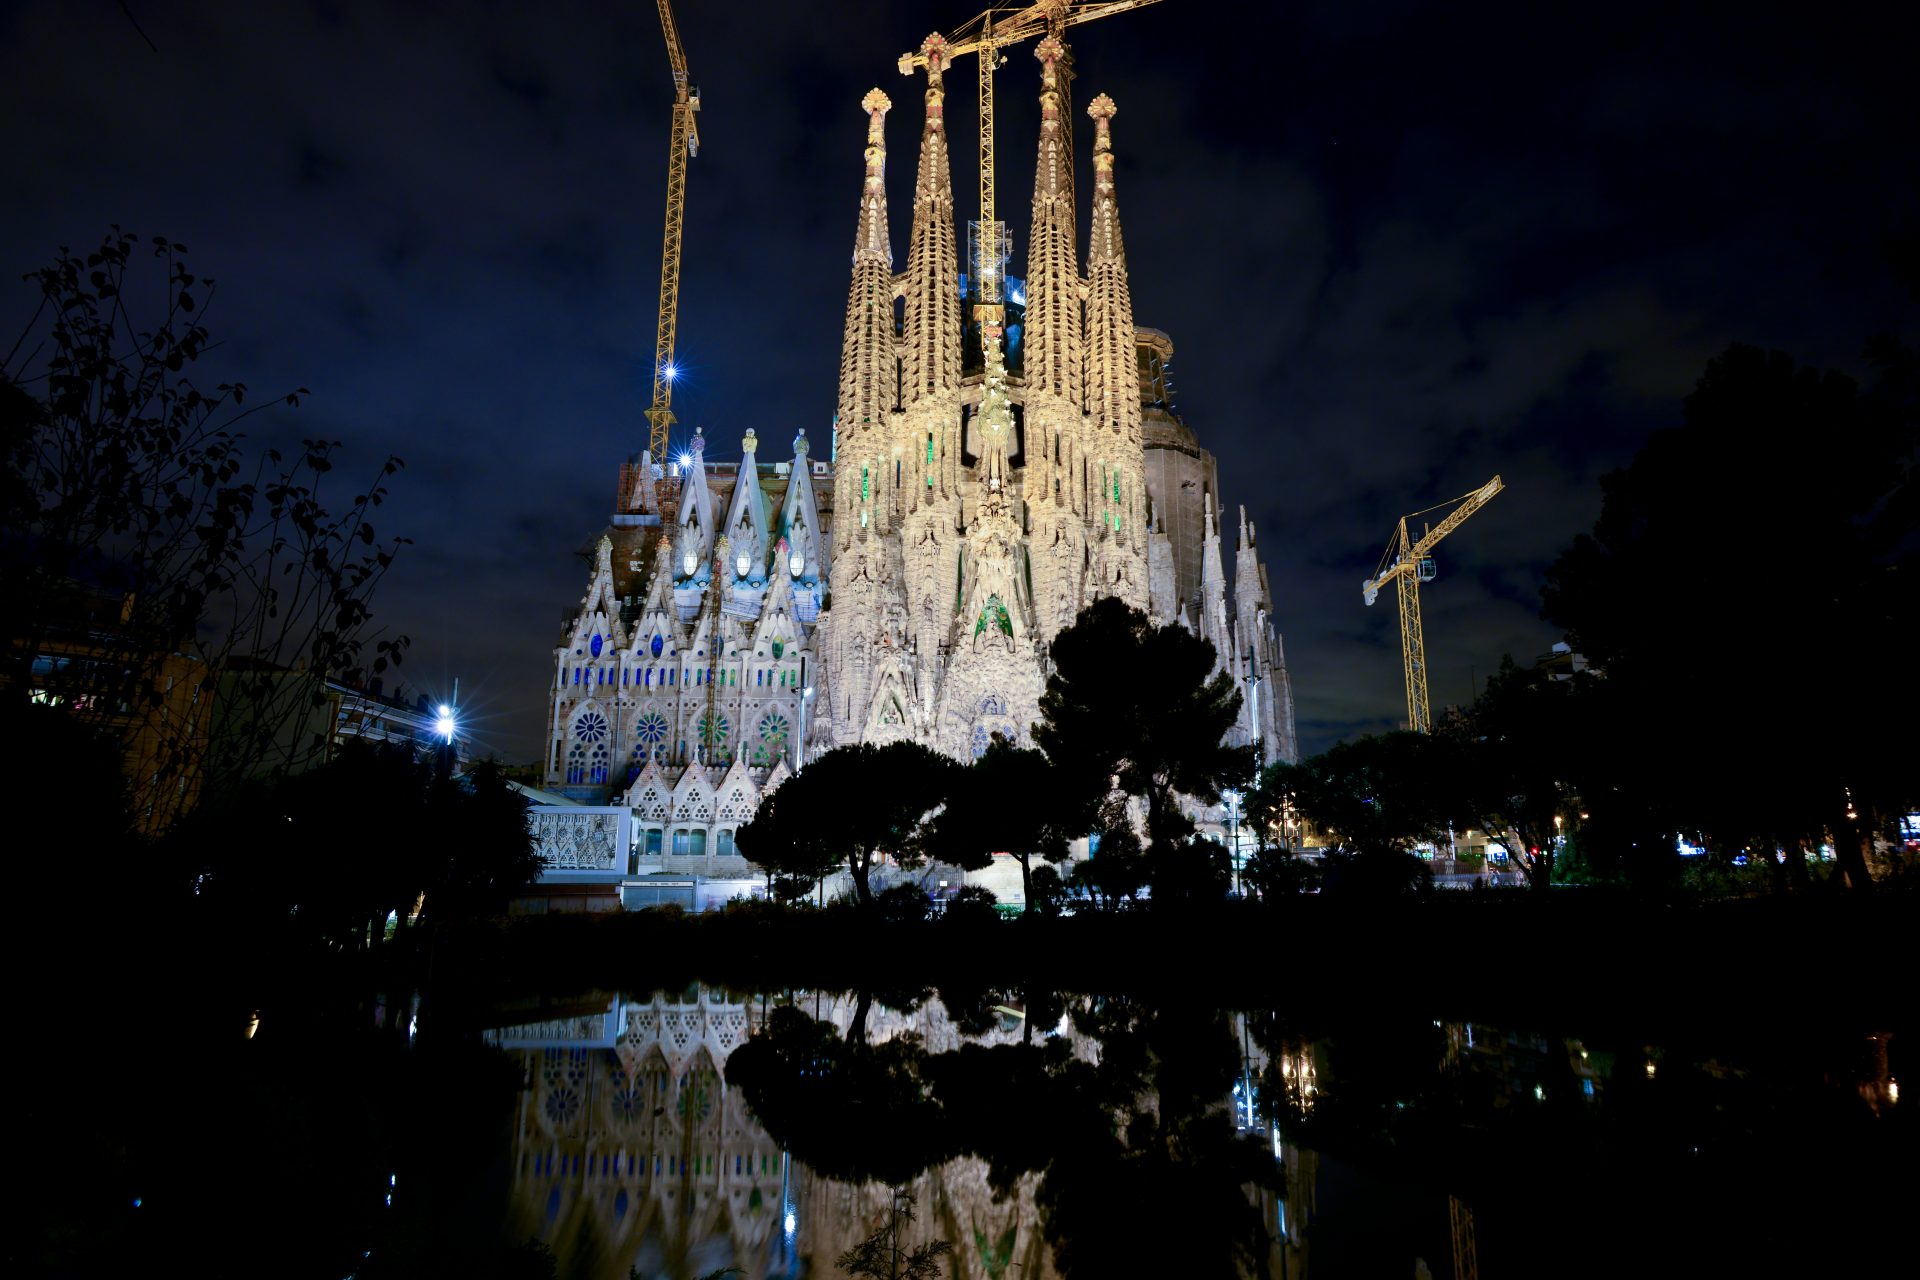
(997, 613)
(866, 485)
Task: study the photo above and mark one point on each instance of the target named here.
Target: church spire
(869, 372)
(1113, 380)
(866, 350)
(1052, 341)
(933, 295)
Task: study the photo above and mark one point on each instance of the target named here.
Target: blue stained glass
(657, 646)
(594, 644)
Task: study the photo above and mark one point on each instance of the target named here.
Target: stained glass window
(773, 739)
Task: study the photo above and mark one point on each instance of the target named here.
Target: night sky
(1399, 248)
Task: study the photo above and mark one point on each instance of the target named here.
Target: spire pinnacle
(932, 294)
(871, 238)
(1113, 382)
(1106, 231)
(1052, 340)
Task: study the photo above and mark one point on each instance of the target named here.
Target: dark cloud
(1399, 247)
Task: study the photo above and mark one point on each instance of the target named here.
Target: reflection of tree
(1136, 1128)
(880, 1255)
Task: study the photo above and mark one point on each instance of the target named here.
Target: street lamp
(444, 727)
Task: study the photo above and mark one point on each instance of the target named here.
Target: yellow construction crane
(1407, 563)
(986, 34)
(686, 143)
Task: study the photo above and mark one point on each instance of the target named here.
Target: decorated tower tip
(934, 50)
(750, 442)
(800, 444)
(699, 445)
(876, 102)
(1102, 109)
(1050, 50)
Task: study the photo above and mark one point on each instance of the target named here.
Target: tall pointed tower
(866, 599)
(1115, 460)
(927, 449)
(1053, 363)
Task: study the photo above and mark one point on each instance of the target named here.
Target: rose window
(773, 738)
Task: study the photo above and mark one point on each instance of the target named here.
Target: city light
(444, 725)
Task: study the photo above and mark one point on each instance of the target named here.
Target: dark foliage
(806, 826)
(1007, 801)
(1750, 574)
(1376, 799)
(162, 583)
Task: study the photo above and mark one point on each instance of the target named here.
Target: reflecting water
(680, 1134)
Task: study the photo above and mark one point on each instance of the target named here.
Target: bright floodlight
(444, 725)
(671, 372)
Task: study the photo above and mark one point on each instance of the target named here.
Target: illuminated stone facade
(985, 482)
(993, 479)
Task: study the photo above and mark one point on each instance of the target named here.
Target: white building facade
(995, 467)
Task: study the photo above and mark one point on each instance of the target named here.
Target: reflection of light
(741, 563)
(690, 562)
(807, 692)
(790, 1223)
(797, 563)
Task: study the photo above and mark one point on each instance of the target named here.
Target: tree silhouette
(161, 582)
(857, 803)
(1748, 578)
(1514, 758)
(1007, 801)
(1376, 798)
(1140, 710)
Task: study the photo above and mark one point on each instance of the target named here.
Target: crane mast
(1406, 563)
(685, 144)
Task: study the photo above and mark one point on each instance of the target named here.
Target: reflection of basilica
(631, 1151)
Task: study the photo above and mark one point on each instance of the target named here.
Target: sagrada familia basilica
(990, 472)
